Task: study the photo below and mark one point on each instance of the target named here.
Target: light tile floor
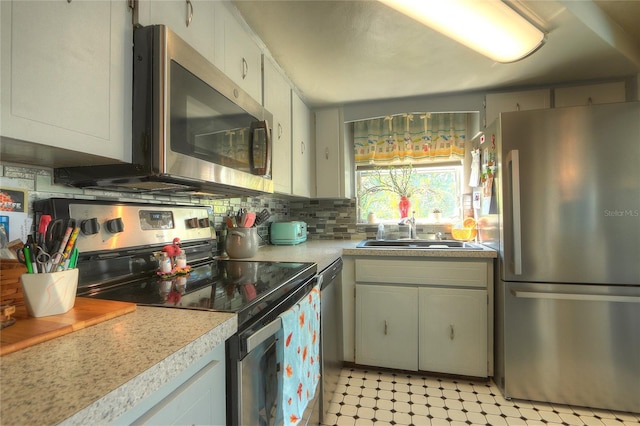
(377, 397)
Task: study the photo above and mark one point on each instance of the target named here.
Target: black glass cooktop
(244, 287)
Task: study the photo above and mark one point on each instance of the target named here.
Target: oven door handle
(254, 340)
(263, 334)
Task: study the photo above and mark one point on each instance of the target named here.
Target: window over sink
(436, 195)
(411, 162)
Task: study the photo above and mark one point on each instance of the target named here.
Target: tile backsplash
(39, 184)
(330, 219)
(326, 219)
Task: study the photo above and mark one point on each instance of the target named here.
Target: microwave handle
(260, 166)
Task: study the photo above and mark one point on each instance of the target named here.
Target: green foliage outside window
(428, 188)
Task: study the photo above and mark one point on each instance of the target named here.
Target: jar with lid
(165, 264)
(181, 260)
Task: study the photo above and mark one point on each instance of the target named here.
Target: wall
(39, 183)
(326, 219)
(467, 102)
(336, 220)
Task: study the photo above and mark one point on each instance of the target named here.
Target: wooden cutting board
(28, 331)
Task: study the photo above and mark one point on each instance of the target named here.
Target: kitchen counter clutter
(94, 375)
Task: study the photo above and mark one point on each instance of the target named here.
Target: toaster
(288, 233)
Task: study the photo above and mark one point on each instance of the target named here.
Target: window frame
(456, 166)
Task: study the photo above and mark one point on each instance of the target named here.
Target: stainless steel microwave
(193, 128)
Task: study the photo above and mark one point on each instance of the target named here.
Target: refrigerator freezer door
(571, 194)
(570, 344)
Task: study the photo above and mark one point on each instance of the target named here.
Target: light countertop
(324, 252)
(75, 377)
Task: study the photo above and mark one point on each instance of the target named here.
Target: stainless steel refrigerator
(559, 198)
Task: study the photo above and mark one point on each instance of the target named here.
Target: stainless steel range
(120, 248)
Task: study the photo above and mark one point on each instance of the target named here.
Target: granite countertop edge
(325, 252)
(124, 398)
(96, 374)
(432, 253)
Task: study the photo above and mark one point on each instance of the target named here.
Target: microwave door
(227, 148)
(260, 148)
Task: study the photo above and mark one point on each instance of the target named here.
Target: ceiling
(345, 51)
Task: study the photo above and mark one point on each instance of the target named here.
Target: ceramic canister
(241, 242)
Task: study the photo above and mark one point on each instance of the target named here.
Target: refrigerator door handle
(513, 163)
(575, 296)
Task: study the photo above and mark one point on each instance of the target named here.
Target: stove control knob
(203, 223)
(115, 225)
(192, 223)
(90, 226)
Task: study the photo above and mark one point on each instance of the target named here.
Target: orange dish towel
(299, 357)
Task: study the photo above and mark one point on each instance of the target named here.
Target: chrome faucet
(412, 225)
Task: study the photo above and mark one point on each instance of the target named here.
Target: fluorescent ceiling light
(489, 27)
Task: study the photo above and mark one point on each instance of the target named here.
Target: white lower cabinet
(453, 331)
(427, 315)
(387, 330)
(196, 396)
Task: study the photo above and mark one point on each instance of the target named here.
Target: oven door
(254, 375)
(259, 374)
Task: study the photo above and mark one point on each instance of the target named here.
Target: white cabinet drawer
(432, 272)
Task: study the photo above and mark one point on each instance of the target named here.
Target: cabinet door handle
(326, 153)
(245, 68)
(517, 107)
(189, 12)
(385, 327)
(279, 131)
(302, 147)
(452, 333)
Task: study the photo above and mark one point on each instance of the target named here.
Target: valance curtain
(410, 138)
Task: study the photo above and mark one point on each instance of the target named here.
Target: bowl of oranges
(465, 230)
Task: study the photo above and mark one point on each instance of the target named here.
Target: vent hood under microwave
(194, 130)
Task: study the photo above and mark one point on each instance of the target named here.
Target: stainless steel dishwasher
(330, 332)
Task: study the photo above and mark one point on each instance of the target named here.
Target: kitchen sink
(418, 244)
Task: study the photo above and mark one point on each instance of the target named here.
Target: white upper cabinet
(194, 21)
(301, 147)
(333, 160)
(66, 75)
(604, 93)
(242, 56)
(515, 101)
(277, 100)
